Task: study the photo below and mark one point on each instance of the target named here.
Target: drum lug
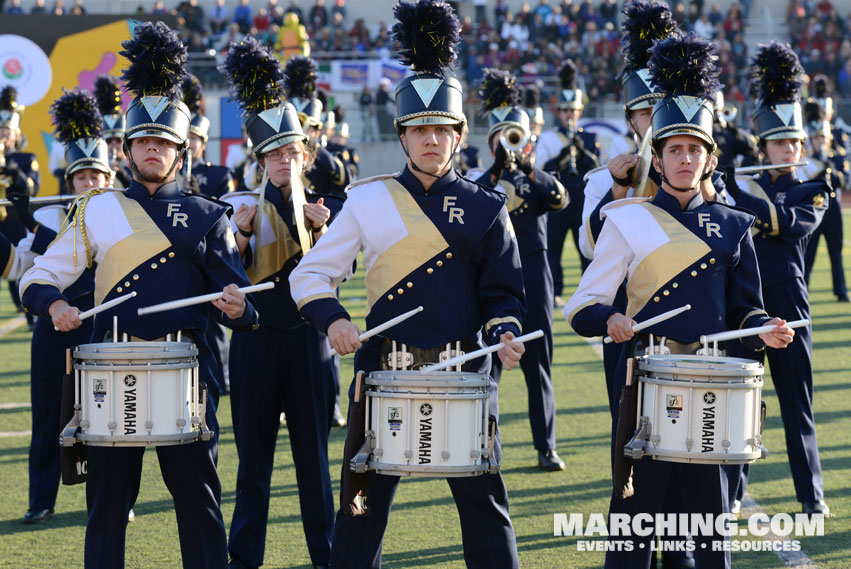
(404, 359)
(360, 462)
(68, 434)
(634, 449)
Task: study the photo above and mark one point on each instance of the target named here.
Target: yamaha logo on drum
(707, 438)
(425, 434)
(129, 380)
(709, 398)
(425, 409)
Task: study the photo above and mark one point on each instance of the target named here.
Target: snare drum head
(135, 351)
(683, 365)
(427, 379)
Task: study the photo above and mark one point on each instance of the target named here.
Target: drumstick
(484, 351)
(105, 306)
(655, 320)
(382, 327)
(735, 334)
(192, 300)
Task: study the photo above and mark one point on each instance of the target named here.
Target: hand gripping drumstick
(382, 327)
(655, 320)
(484, 351)
(171, 305)
(105, 306)
(735, 334)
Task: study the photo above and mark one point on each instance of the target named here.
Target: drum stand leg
(360, 462)
(634, 449)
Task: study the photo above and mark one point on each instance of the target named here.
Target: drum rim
(123, 351)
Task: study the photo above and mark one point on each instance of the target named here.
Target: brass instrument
(513, 138)
(762, 167)
(46, 200)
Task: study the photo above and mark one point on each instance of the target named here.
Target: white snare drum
(428, 424)
(699, 409)
(139, 394)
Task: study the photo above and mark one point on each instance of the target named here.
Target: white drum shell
(138, 393)
(702, 409)
(428, 424)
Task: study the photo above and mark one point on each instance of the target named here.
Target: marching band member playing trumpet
(428, 238)
(788, 211)
(673, 249)
(284, 365)
(532, 194)
(153, 241)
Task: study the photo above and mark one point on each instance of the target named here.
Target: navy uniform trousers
(537, 360)
(47, 365)
(275, 370)
(482, 503)
(558, 224)
(791, 372)
(831, 228)
(189, 473)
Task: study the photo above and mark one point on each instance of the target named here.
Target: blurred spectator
(159, 8)
(500, 10)
(384, 112)
(367, 113)
(78, 9)
(481, 7)
(319, 15)
(609, 11)
(38, 8)
(716, 16)
(261, 20)
(294, 9)
(704, 28)
(339, 8)
(292, 38)
(219, 17)
(15, 7)
(242, 16)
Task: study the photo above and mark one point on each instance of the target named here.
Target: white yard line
(6, 434)
(15, 405)
(796, 559)
(12, 325)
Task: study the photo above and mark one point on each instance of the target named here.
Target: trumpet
(728, 113)
(513, 138)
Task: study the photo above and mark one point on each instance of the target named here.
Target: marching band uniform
(417, 251)
(348, 155)
(164, 247)
(787, 213)
(107, 92)
(528, 203)
(571, 152)
(285, 365)
(669, 256)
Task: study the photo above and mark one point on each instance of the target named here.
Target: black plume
(108, 94)
(339, 114)
(157, 59)
(300, 78)
(8, 98)
(685, 64)
(644, 22)
(498, 89)
(322, 97)
(821, 86)
(75, 116)
(813, 112)
(776, 72)
(192, 94)
(428, 33)
(567, 75)
(531, 96)
(255, 76)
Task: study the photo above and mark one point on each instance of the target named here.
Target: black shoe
(817, 507)
(669, 562)
(549, 460)
(843, 298)
(37, 515)
(236, 563)
(321, 566)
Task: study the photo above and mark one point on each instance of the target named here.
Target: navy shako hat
(157, 59)
(428, 32)
(500, 98)
(79, 127)
(532, 103)
(815, 119)
(193, 97)
(107, 93)
(821, 91)
(257, 84)
(300, 87)
(684, 67)
(10, 110)
(569, 95)
(776, 73)
(644, 22)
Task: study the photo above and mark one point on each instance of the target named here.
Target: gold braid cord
(76, 216)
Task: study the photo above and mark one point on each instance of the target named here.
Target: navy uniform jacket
(787, 213)
(528, 203)
(734, 142)
(467, 158)
(329, 175)
(348, 156)
(213, 181)
(278, 254)
(449, 249)
(703, 256)
(10, 225)
(164, 247)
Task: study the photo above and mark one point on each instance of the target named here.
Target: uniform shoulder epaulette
(489, 189)
(369, 180)
(594, 171)
(739, 209)
(621, 203)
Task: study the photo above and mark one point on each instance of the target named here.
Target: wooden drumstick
(173, 304)
(479, 353)
(105, 306)
(382, 327)
(736, 334)
(655, 320)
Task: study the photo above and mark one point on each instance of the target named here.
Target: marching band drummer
(284, 365)
(788, 211)
(532, 194)
(433, 239)
(673, 249)
(78, 127)
(150, 240)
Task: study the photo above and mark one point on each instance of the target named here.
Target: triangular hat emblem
(110, 120)
(501, 112)
(273, 117)
(299, 104)
(87, 145)
(785, 111)
(427, 89)
(155, 106)
(644, 75)
(568, 94)
(689, 105)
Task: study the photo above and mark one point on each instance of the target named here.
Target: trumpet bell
(513, 139)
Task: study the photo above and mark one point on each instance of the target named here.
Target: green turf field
(424, 529)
